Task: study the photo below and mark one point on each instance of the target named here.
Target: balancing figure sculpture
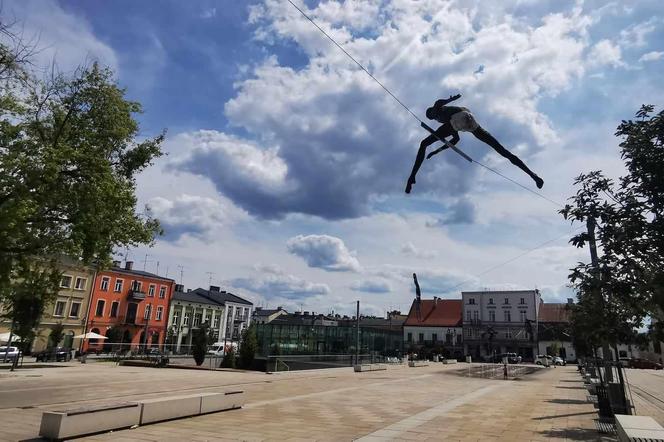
(455, 119)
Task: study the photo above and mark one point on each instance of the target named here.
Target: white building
(226, 314)
(497, 322)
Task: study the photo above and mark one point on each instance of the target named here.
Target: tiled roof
(138, 273)
(440, 313)
(194, 297)
(222, 296)
(553, 312)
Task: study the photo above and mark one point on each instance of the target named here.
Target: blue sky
(286, 164)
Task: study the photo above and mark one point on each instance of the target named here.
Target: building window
(162, 292)
(476, 316)
(471, 301)
(468, 331)
(522, 301)
(492, 316)
(176, 318)
(523, 316)
(490, 301)
(507, 301)
(448, 338)
(508, 334)
(216, 320)
(434, 337)
(81, 283)
(208, 320)
(151, 290)
(114, 309)
(160, 311)
(65, 282)
(74, 309)
(508, 316)
(100, 308)
(136, 286)
(118, 285)
(105, 281)
(420, 338)
(410, 337)
(185, 321)
(148, 310)
(468, 315)
(59, 308)
(197, 319)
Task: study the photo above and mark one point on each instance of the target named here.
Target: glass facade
(287, 339)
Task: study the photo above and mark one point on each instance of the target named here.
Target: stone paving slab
(430, 403)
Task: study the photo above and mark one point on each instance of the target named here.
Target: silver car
(12, 353)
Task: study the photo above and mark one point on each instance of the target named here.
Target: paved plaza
(401, 403)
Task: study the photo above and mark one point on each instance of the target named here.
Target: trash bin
(469, 359)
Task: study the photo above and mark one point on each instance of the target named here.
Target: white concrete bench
(229, 400)
(418, 363)
(65, 424)
(638, 428)
(370, 367)
(450, 361)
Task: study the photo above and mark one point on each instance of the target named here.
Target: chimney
(116, 264)
(188, 290)
(214, 288)
(570, 301)
(298, 313)
(129, 265)
(280, 308)
(435, 301)
(179, 288)
(258, 309)
(306, 313)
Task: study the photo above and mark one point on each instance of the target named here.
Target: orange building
(130, 307)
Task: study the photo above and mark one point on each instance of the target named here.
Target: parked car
(644, 363)
(557, 360)
(544, 360)
(512, 358)
(12, 353)
(57, 354)
(217, 349)
(157, 357)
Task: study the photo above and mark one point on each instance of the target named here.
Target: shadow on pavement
(576, 434)
(567, 401)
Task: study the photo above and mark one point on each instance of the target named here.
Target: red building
(130, 307)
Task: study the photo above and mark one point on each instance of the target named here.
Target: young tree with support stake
(625, 283)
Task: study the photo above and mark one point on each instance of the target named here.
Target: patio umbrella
(4, 337)
(91, 335)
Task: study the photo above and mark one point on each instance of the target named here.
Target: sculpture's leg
(487, 138)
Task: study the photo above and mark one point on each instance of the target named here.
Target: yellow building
(70, 306)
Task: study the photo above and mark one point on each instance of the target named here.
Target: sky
(286, 164)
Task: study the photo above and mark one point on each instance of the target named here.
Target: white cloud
(272, 282)
(652, 56)
(60, 36)
(335, 142)
(409, 249)
(635, 35)
(325, 252)
(191, 215)
(371, 286)
(606, 53)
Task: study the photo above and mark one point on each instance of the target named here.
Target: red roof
(436, 313)
(553, 312)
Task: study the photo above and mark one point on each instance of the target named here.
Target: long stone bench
(418, 363)
(65, 424)
(637, 428)
(370, 367)
(450, 361)
(59, 425)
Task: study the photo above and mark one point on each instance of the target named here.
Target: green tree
(56, 335)
(248, 346)
(199, 343)
(68, 163)
(627, 285)
(229, 358)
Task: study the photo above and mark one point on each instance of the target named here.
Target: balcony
(136, 295)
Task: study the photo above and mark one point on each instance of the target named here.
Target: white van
(217, 349)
